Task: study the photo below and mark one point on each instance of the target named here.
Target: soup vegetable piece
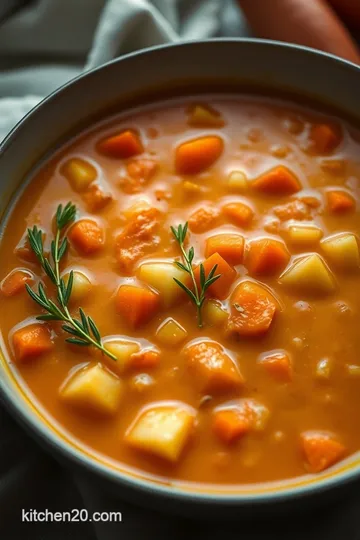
(169, 283)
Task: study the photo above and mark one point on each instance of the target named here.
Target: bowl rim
(52, 439)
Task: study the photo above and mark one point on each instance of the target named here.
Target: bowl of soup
(179, 273)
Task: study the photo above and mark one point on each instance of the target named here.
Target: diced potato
(342, 250)
(136, 208)
(335, 167)
(123, 350)
(160, 276)
(205, 117)
(304, 235)
(162, 430)
(237, 181)
(213, 369)
(171, 333)
(309, 274)
(323, 369)
(81, 286)
(214, 314)
(79, 172)
(260, 414)
(93, 389)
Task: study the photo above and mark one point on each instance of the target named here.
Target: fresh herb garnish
(197, 294)
(84, 331)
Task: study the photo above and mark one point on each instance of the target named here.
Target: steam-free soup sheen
(268, 387)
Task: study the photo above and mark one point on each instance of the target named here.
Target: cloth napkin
(41, 48)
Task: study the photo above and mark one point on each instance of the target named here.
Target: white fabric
(46, 45)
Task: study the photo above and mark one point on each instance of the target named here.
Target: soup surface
(236, 364)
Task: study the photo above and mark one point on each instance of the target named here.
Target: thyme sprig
(197, 293)
(84, 331)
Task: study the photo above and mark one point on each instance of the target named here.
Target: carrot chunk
(339, 201)
(277, 181)
(213, 369)
(146, 359)
(96, 198)
(138, 173)
(278, 365)
(86, 236)
(253, 309)
(321, 450)
(230, 425)
(229, 246)
(122, 146)
(324, 138)
(137, 305)
(197, 155)
(15, 282)
(31, 341)
(24, 252)
(239, 213)
(203, 219)
(220, 288)
(266, 257)
(137, 238)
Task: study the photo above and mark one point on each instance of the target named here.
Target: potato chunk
(93, 389)
(171, 333)
(342, 250)
(304, 235)
(123, 349)
(160, 276)
(214, 314)
(214, 371)
(81, 286)
(79, 172)
(309, 274)
(237, 181)
(162, 429)
(205, 117)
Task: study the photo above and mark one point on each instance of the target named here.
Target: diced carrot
(138, 173)
(86, 236)
(266, 256)
(229, 246)
(321, 450)
(197, 155)
(145, 359)
(96, 198)
(220, 288)
(137, 238)
(239, 213)
(203, 219)
(296, 209)
(15, 282)
(137, 305)
(31, 341)
(231, 424)
(213, 369)
(253, 309)
(278, 365)
(324, 138)
(123, 145)
(277, 181)
(339, 201)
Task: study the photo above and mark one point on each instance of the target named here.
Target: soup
(212, 247)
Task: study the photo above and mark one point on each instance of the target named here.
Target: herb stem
(84, 332)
